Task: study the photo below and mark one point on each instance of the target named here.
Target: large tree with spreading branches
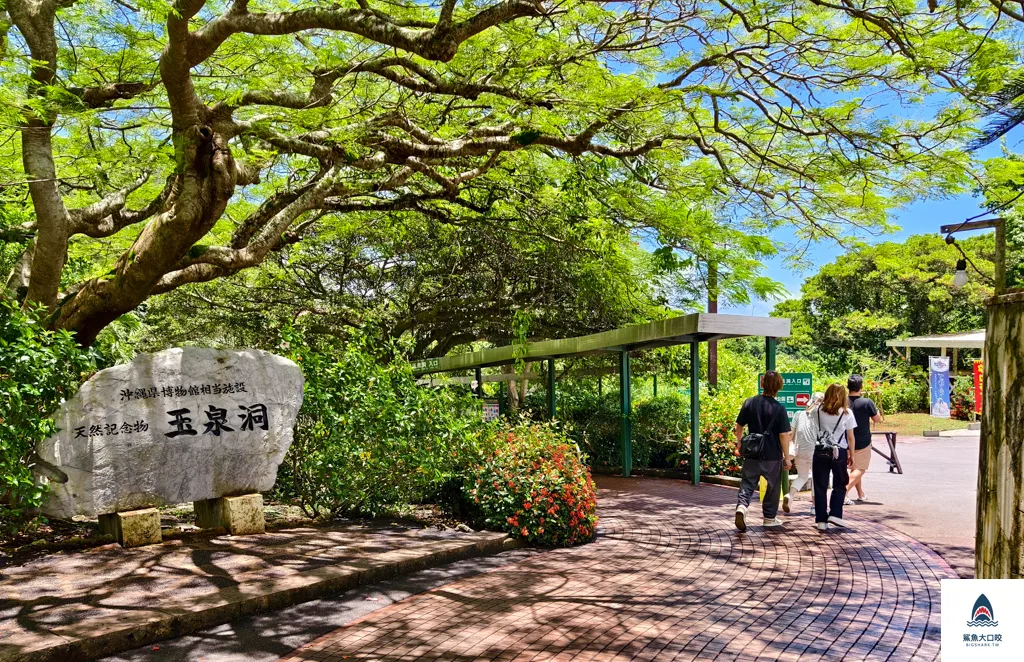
(150, 145)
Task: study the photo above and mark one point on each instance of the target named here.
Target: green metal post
(600, 385)
(479, 383)
(655, 385)
(695, 411)
(769, 364)
(625, 424)
(501, 399)
(551, 389)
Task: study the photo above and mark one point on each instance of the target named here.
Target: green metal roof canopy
(689, 330)
(696, 327)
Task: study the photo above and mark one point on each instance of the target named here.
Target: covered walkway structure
(691, 330)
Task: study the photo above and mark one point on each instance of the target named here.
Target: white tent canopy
(963, 340)
(954, 341)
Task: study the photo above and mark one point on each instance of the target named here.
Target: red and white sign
(979, 384)
(803, 399)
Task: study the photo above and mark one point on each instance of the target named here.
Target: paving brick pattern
(67, 598)
(670, 579)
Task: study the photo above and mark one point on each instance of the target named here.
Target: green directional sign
(797, 388)
(425, 365)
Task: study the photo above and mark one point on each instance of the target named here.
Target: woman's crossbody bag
(826, 444)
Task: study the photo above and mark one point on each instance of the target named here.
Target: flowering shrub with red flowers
(535, 485)
(962, 398)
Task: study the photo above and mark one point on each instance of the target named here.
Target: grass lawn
(914, 424)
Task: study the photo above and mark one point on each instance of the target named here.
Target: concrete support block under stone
(133, 528)
(208, 513)
(240, 515)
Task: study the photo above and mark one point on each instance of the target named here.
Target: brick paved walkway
(669, 578)
(106, 599)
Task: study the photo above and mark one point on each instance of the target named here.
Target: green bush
(661, 428)
(367, 439)
(592, 421)
(901, 394)
(535, 485)
(718, 413)
(39, 369)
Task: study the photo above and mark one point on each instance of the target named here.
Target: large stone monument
(186, 424)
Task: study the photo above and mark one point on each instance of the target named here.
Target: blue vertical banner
(938, 382)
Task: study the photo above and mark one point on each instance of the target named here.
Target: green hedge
(39, 369)
(368, 439)
(661, 428)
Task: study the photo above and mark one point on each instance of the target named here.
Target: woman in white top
(835, 423)
(805, 432)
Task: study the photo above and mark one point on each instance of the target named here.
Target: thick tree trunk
(200, 201)
(999, 545)
(35, 22)
(517, 388)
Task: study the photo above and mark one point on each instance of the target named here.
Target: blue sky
(919, 218)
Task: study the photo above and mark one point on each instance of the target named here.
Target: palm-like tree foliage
(1006, 111)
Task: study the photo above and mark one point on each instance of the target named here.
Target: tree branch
(104, 96)
(87, 216)
(437, 43)
(119, 219)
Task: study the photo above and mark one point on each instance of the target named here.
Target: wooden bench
(893, 459)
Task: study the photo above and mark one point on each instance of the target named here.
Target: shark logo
(982, 615)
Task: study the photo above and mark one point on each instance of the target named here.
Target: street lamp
(960, 277)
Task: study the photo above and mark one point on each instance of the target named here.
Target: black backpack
(825, 444)
(752, 444)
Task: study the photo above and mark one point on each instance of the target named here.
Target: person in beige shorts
(865, 411)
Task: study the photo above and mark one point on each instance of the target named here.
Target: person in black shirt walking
(865, 411)
(763, 449)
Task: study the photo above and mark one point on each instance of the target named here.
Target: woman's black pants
(823, 466)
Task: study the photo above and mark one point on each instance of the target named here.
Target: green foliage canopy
(432, 284)
(163, 144)
(889, 290)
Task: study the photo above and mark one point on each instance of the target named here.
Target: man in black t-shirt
(764, 415)
(864, 411)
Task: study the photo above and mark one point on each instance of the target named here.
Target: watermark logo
(982, 620)
(982, 615)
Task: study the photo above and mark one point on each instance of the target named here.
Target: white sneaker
(775, 521)
(861, 499)
(785, 503)
(741, 518)
(848, 502)
(822, 526)
(837, 521)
